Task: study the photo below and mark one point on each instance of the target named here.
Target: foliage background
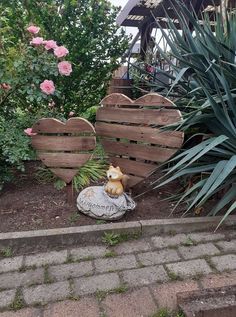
(87, 28)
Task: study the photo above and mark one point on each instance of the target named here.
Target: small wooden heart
(131, 135)
(64, 147)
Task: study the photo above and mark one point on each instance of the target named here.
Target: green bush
(206, 75)
(87, 28)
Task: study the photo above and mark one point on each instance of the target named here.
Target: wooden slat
(116, 99)
(63, 143)
(139, 116)
(65, 173)
(133, 167)
(134, 180)
(153, 99)
(73, 125)
(144, 152)
(63, 159)
(146, 134)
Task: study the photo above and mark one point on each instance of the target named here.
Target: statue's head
(114, 173)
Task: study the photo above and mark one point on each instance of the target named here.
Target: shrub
(206, 75)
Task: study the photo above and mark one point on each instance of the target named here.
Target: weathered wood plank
(63, 159)
(65, 173)
(139, 116)
(134, 180)
(133, 167)
(145, 134)
(154, 99)
(116, 99)
(144, 152)
(73, 125)
(151, 99)
(63, 143)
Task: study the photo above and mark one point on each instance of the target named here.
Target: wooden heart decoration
(130, 132)
(64, 147)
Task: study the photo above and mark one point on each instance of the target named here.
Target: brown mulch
(28, 205)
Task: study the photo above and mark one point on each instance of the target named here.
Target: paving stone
(16, 279)
(40, 259)
(114, 264)
(89, 285)
(219, 280)
(132, 246)
(7, 297)
(65, 271)
(199, 250)
(91, 251)
(27, 312)
(169, 241)
(224, 262)
(227, 246)
(85, 307)
(145, 276)
(138, 303)
(11, 264)
(205, 236)
(165, 294)
(46, 293)
(189, 268)
(158, 257)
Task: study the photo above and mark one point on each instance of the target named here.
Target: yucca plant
(206, 76)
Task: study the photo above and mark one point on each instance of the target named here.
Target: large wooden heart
(130, 132)
(64, 147)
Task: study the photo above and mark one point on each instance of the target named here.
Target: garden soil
(27, 204)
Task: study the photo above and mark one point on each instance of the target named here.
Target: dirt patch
(28, 205)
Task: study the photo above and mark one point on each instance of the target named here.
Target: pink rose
(71, 113)
(47, 86)
(29, 132)
(64, 68)
(50, 44)
(37, 41)
(60, 51)
(5, 86)
(33, 29)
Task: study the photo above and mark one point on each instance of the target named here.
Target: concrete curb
(29, 241)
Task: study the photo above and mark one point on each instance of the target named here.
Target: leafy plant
(206, 74)
(6, 252)
(87, 28)
(92, 171)
(74, 217)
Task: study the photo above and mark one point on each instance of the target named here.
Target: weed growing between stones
(111, 238)
(164, 312)
(74, 217)
(6, 252)
(100, 222)
(110, 254)
(47, 278)
(18, 302)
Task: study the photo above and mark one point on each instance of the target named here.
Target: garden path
(132, 279)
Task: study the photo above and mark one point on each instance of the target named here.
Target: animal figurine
(117, 181)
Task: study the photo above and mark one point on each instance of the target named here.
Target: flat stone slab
(17, 279)
(115, 264)
(169, 241)
(6, 298)
(46, 293)
(103, 282)
(189, 268)
(224, 262)
(158, 257)
(65, 271)
(145, 276)
(227, 246)
(11, 264)
(198, 251)
(88, 252)
(40, 259)
(87, 307)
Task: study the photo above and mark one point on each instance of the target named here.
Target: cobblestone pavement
(132, 279)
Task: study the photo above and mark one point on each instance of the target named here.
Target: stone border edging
(60, 237)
